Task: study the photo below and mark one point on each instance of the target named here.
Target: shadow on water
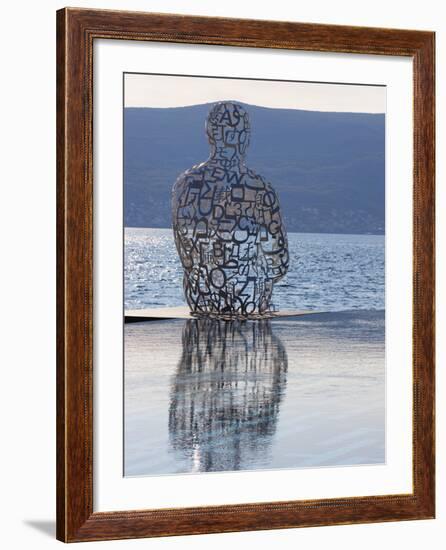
(226, 393)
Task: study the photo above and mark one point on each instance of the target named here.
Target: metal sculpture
(227, 225)
(226, 394)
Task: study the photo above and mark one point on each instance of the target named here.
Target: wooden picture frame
(77, 29)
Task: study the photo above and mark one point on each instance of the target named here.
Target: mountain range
(328, 168)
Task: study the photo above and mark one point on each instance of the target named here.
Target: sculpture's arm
(273, 235)
(184, 220)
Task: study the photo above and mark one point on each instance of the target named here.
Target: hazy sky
(143, 90)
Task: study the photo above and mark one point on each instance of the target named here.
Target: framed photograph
(245, 275)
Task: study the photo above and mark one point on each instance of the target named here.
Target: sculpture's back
(227, 225)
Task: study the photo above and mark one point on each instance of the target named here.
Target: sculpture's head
(228, 130)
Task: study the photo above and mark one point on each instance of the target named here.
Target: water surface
(327, 272)
(209, 396)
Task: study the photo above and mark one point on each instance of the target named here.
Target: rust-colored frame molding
(76, 31)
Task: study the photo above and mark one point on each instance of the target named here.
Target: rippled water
(327, 272)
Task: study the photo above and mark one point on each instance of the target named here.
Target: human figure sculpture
(227, 225)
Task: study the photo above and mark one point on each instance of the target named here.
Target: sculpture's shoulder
(187, 185)
(193, 174)
(262, 185)
(253, 178)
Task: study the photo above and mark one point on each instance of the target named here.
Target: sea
(204, 396)
(328, 272)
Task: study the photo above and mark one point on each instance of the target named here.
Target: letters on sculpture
(227, 225)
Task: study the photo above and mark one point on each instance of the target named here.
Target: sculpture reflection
(226, 393)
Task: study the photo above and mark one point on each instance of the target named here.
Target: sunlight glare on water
(327, 272)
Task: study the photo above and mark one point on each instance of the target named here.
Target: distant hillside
(328, 168)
